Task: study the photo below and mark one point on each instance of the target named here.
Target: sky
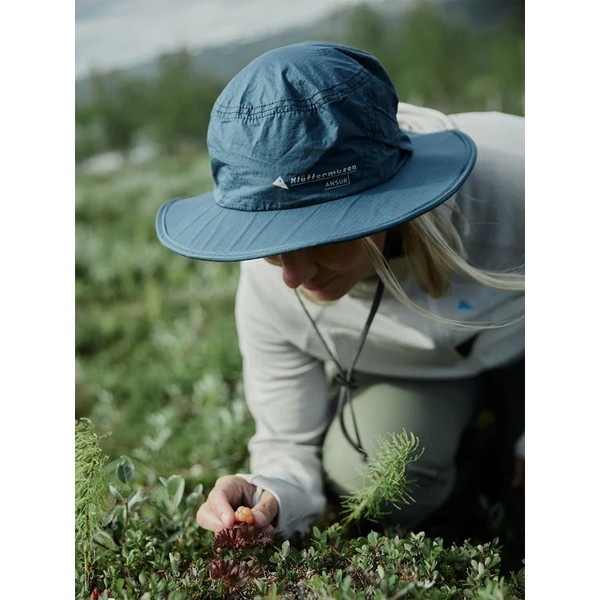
(113, 34)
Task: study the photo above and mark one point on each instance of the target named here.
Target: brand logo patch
(280, 183)
(329, 179)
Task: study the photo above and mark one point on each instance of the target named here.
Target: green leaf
(194, 495)
(174, 559)
(115, 493)
(125, 469)
(175, 487)
(373, 537)
(105, 539)
(136, 498)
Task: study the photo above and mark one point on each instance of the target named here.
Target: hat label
(312, 177)
(335, 183)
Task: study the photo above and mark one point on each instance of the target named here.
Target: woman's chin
(322, 295)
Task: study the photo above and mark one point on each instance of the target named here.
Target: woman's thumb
(265, 510)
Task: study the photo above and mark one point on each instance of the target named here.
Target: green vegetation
(170, 110)
(386, 484)
(90, 491)
(148, 546)
(157, 363)
(157, 358)
(445, 63)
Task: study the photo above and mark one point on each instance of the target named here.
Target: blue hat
(305, 150)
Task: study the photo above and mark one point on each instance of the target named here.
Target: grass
(156, 345)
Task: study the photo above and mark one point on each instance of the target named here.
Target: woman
(389, 240)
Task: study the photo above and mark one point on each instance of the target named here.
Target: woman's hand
(218, 512)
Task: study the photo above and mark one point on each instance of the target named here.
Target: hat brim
(197, 227)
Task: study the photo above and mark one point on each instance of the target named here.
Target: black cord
(348, 383)
(346, 379)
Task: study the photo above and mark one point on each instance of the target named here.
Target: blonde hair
(434, 251)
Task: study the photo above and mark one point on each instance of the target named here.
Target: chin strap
(345, 377)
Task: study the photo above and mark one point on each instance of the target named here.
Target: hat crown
(304, 124)
(297, 75)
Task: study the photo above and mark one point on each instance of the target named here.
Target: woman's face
(327, 272)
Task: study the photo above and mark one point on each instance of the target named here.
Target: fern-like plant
(386, 480)
(90, 491)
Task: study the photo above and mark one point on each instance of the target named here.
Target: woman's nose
(297, 268)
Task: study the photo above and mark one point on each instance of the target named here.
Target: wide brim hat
(305, 150)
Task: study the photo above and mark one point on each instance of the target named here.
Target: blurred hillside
(453, 55)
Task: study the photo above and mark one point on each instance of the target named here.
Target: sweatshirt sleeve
(286, 392)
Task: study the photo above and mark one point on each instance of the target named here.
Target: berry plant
(145, 544)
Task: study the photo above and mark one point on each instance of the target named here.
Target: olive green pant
(437, 412)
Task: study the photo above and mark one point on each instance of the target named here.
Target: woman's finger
(265, 510)
(221, 505)
(208, 519)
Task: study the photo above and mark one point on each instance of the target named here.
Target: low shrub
(146, 545)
